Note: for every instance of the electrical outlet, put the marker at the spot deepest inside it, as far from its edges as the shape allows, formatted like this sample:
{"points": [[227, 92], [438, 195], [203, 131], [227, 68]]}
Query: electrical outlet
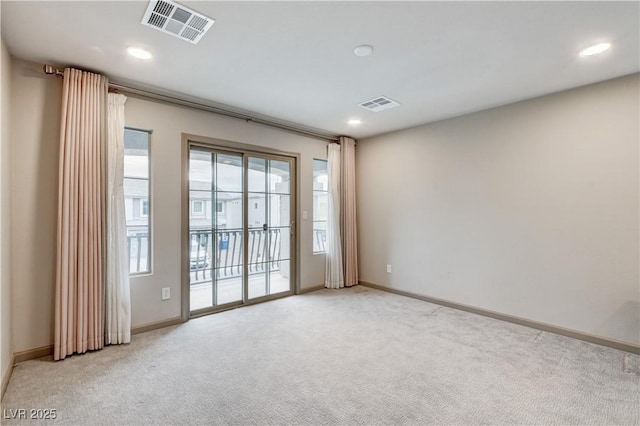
{"points": [[305, 215], [166, 293], [388, 269]]}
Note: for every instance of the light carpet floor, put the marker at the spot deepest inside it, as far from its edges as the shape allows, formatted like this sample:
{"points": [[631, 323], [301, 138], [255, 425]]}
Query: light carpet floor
{"points": [[352, 356]]}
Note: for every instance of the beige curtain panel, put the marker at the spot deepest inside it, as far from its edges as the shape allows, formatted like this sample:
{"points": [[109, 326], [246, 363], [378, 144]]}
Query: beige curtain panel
{"points": [[79, 299], [348, 211], [334, 273], [117, 289]]}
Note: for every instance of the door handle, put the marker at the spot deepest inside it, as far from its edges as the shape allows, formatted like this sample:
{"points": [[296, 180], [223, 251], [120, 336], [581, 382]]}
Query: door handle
{"points": [[293, 228]]}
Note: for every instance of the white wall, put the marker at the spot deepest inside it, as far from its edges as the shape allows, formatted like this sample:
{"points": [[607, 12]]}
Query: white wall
{"points": [[529, 210], [6, 343], [36, 100], [35, 131]]}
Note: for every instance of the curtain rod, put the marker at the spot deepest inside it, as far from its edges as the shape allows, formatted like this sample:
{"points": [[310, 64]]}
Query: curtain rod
{"points": [[51, 70]]}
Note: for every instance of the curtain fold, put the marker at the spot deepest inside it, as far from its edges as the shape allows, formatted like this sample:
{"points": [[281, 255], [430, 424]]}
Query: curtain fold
{"points": [[79, 297], [333, 266], [117, 290], [348, 211]]}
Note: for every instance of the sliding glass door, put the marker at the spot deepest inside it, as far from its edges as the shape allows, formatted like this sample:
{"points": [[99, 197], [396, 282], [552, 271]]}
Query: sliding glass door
{"points": [[241, 211], [270, 226]]}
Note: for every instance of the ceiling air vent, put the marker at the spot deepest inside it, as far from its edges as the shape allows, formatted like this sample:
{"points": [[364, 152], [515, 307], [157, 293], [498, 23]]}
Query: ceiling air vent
{"points": [[379, 104], [177, 20]]}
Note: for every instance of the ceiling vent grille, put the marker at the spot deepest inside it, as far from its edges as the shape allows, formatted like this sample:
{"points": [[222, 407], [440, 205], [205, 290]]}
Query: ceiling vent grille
{"points": [[177, 20], [379, 104]]}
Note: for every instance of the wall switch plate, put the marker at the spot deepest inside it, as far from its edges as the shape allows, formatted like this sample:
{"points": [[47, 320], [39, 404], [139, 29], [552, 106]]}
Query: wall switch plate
{"points": [[166, 293], [388, 269], [305, 215]]}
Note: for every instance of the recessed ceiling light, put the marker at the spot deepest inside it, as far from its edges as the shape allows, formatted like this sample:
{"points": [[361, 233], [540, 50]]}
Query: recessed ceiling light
{"points": [[136, 52], [363, 50], [595, 49], [354, 122]]}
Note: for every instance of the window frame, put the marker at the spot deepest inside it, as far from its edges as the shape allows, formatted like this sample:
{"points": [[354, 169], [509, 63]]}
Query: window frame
{"points": [[149, 216], [313, 212]]}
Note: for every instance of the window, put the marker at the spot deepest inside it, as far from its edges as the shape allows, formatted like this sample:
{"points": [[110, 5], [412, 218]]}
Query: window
{"points": [[197, 208], [320, 205], [136, 200], [219, 207], [144, 208]]}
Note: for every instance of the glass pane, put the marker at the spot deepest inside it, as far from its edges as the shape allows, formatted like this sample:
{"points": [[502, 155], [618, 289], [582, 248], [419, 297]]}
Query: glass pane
{"points": [[279, 209], [200, 276], [201, 294], [138, 246], [257, 246], [257, 280], [229, 173], [229, 210], [200, 251], [200, 171], [320, 177], [257, 175], [200, 210], [320, 205], [136, 204], [257, 210], [201, 257], [279, 176], [136, 154], [229, 288], [319, 236], [279, 277], [228, 253], [279, 244]]}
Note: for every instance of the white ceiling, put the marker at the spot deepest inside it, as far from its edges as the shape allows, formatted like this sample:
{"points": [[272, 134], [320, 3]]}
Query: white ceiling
{"points": [[294, 60]]}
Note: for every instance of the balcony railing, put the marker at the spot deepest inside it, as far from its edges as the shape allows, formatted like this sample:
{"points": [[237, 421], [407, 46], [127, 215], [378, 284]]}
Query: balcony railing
{"points": [[138, 247], [226, 259], [320, 240]]}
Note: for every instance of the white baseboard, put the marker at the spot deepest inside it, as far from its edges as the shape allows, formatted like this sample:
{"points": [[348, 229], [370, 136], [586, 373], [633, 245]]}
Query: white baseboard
{"points": [[7, 376], [310, 289], [156, 325], [598, 340]]}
